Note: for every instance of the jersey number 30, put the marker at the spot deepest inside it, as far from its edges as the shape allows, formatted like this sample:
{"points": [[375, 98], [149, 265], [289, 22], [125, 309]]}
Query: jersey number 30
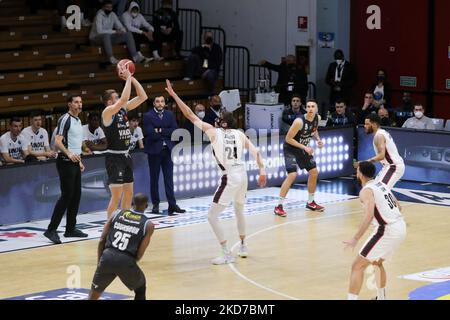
{"points": [[390, 199], [121, 240]]}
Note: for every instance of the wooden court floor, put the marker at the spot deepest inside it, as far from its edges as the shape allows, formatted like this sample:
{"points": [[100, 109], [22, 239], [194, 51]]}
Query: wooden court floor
{"points": [[300, 257]]}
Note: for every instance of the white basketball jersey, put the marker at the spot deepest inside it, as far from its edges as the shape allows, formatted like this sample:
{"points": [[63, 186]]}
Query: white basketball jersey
{"points": [[94, 137], [392, 156], [386, 207], [228, 149], [38, 140]]}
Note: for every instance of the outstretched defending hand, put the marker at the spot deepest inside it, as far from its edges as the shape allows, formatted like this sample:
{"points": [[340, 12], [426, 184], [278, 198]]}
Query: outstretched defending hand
{"points": [[169, 88]]}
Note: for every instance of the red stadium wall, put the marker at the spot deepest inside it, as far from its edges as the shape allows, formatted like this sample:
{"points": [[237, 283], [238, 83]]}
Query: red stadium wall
{"points": [[442, 59], [400, 46]]}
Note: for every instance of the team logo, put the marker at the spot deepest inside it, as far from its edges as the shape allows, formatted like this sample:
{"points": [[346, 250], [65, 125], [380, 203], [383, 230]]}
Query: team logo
{"points": [[41, 137]]}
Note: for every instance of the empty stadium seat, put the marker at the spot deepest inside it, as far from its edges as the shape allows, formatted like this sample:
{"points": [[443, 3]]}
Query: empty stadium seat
{"points": [[438, 123]]}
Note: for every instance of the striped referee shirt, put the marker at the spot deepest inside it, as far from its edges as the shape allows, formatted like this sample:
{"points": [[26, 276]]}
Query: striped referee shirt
{"points": [[71, 129]]}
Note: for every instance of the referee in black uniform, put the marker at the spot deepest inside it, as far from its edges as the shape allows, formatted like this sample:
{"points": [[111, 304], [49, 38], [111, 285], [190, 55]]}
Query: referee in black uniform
{"points": [[69, 138]]}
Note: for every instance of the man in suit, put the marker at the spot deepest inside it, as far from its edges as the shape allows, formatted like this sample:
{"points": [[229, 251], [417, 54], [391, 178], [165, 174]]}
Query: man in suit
{"points": [[341, 77], [159, 125]]}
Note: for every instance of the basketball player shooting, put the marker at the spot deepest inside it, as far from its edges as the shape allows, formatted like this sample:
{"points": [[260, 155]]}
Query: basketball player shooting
{"points": [[118, 162], [228, 149]]}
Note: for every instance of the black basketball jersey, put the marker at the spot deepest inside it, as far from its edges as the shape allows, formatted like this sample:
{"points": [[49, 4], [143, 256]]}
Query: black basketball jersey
{"points": [[127, 231], [118, 133], [304, 135]]}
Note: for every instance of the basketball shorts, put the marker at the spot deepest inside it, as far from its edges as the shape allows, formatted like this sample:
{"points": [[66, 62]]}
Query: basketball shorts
{"points": [[114, 263], [384, 241], [119, 168], [232, 188], [295, 158], [390, 174]]}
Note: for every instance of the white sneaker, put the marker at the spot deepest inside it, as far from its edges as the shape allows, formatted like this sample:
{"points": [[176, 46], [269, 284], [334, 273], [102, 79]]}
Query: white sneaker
{"points": [[243, 251], [187, 79], [156, 56], [223, 259], [113, 61]]}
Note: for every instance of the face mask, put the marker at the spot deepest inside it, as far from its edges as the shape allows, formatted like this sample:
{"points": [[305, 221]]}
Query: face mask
{"points": [[134, 14], [201, 114], [418, 114], [338, 61], [107, 12], [217, 107], [385, 121], [381, 78], [209, 40]]}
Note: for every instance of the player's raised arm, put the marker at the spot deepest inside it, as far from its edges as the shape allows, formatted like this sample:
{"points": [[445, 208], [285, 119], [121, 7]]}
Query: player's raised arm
{"points": [[259, 161], [110, 111], [188, 113], [380, 144], [140, 98]]}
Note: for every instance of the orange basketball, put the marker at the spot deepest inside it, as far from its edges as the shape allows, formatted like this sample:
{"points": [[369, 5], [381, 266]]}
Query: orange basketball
{"points": [[128, 63]]}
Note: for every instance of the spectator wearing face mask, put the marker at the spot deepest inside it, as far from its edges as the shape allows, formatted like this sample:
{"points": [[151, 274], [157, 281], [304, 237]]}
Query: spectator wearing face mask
{"points": [[141, 30], [419, 121], [196, 133], [382, 90], [341, 77], [385, 119], [213, 112], [291, 78], [341, 117], [205, 62]]}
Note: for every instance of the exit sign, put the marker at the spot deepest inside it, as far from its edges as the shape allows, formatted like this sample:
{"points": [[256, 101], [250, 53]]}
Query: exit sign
{"points": [[406, 81]]}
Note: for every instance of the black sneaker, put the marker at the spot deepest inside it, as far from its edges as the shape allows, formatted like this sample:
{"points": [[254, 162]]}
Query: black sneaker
{"points": [[176, 209], [52, 236], [75, 234], [155, 209]]}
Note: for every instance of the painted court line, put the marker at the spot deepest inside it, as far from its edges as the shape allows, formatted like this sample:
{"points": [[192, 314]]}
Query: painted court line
{"points": [[239, 274]]}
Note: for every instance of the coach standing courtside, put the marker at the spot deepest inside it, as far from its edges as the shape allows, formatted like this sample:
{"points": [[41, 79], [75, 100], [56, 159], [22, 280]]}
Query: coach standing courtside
{"points": [[68, 141], [159, 125]]}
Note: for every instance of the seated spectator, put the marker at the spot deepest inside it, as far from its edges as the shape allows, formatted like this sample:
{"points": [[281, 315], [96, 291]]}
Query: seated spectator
{"points": [[341, 78], [407, 103], [342, 116], [291, 78], [137, 137], [382, 90], [214, 110], [141, 30], [37, 138], [368, 107], [205, 62], [167, 28], [419, 121], [13, 145], [108, 30], [385, 119], [94, 138], [292, 112], [199, 110]]}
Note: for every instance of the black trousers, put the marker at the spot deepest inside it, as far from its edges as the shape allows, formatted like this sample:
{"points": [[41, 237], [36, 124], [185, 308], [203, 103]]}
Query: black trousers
{"points": [[156, 162], [176, 36], [142, 39], [70, 184]]}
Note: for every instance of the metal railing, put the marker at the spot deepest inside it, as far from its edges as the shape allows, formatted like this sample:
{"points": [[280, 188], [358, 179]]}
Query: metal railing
{"points": [[191, 25], [237, 69]]}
